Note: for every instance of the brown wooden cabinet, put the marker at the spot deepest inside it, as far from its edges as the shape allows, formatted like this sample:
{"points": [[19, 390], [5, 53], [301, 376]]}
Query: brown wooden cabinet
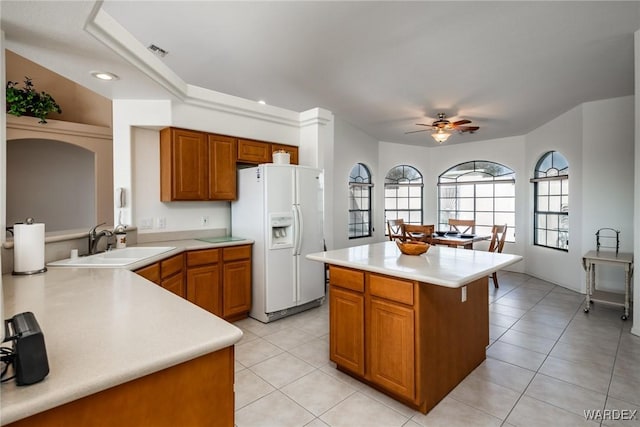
{"points": [[168, 273], [203, 280], [222, 167], [250, 151], [256, 152], [219, 280], [236, 282], [414, 341], [346, 344], [196, 166]]}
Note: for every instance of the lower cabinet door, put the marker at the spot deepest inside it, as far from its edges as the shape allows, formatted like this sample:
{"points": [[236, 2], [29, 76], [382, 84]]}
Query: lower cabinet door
{"points": [[175, 284], [236, 288], [346, 324], [391, 347], [203, 288]]}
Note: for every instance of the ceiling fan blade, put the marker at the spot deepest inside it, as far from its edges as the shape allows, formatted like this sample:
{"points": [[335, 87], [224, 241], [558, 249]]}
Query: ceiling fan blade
{"points": [[461, 122], [423, 124], [467, 128], [414, 131]]}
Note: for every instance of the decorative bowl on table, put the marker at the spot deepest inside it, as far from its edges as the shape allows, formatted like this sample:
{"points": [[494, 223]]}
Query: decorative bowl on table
{"points": [[412, 247], [441, 233]]}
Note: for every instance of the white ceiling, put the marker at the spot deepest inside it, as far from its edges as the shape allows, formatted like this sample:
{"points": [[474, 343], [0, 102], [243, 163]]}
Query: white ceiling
{"points": [[382, 66]]}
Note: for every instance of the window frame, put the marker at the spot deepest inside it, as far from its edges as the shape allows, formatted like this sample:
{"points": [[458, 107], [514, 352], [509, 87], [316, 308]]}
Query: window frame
{"points": [[409, 183], [562, 215], [475, 198], [360, 182]]}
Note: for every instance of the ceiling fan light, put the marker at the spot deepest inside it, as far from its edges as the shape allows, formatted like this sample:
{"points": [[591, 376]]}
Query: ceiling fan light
{"points": [[440, 136]]}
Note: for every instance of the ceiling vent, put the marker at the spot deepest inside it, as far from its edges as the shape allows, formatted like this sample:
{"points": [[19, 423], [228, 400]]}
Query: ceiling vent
{"points": [[158, 50]]}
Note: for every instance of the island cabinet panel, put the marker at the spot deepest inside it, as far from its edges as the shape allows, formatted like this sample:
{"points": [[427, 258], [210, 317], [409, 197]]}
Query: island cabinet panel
{"points": [[194, 393], [346, 324], [420, 339], [391, 347]]}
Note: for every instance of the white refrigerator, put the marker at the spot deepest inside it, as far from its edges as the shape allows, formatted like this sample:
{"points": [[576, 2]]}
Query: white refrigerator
{"points": [[280, 207]]}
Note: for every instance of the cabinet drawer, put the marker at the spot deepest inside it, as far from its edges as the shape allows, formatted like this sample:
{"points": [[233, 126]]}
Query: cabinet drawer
{"points": [[392, 289], [171, 266], [202, 257], [236, 252], [150, 272], [346, 278]]}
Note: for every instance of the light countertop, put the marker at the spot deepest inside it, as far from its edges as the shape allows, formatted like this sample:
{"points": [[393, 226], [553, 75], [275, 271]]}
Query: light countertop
{"points": [[440, 265], [104, 327], [179, 246]]}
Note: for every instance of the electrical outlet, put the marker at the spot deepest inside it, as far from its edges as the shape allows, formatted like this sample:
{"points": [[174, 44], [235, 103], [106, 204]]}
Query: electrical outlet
{"points": [[204, 221], [161, 222], [464, 293], [146, 224]]}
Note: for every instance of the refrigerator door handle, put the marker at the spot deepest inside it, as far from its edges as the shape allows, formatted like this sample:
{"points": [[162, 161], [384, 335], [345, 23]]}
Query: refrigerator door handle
{"points": [[300, 230]]}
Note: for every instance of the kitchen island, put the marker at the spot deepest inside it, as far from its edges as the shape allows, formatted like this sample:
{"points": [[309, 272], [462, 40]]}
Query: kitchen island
{"points": [[410, 326], [121, 351]]}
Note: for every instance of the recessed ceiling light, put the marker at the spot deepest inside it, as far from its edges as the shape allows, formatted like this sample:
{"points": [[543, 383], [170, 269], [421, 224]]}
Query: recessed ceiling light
{"points": [[263, 102], [103, 75]]}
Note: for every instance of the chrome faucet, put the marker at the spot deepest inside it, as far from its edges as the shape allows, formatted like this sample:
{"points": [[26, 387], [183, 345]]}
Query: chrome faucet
{"points": [[95, 236]]}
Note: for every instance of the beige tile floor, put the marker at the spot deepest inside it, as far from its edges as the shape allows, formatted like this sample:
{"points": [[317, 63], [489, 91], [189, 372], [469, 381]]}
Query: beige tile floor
{"points": [[548, 362]]}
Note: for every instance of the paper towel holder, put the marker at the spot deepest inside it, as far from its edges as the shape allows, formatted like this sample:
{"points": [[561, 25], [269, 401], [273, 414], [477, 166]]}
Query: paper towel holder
{"points": [[28, 221]]}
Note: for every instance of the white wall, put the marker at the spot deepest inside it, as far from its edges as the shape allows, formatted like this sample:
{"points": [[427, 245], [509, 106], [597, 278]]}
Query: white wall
{"points": [[352, 146], [563, 134], [608, 173]]}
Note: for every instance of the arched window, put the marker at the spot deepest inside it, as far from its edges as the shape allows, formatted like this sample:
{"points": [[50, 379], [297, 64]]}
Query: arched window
{"points": [[403, 194], [480, 190], [551, 202], [359, 201]]}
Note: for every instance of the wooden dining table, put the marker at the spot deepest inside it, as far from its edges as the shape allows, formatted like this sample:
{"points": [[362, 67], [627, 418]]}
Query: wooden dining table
{"points": [[455, 240]]}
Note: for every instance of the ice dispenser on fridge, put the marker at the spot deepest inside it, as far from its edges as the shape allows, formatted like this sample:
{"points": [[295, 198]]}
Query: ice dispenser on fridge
{"points": [[281, 225]]}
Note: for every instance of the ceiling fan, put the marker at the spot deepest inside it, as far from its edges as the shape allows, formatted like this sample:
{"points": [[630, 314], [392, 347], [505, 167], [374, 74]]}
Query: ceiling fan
{"points": [[442, 125]]}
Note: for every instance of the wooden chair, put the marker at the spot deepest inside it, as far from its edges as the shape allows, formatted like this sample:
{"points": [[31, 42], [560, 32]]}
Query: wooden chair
{"points": [[498, 236], [422, 233], [470, 225], [394, 228]]}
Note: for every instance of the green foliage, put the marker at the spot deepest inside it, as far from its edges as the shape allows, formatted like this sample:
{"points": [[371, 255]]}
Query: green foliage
{"points": [[26, 101]]}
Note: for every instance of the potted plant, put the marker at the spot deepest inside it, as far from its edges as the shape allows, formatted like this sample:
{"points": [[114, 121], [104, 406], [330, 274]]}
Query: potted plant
{"points": [[27, 101]]}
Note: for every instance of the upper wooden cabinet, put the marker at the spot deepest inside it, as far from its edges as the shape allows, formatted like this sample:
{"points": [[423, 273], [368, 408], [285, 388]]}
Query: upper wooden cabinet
{"points": [[222, 167], [253, 151], [184, 168], [256, 152], [196, 166]]}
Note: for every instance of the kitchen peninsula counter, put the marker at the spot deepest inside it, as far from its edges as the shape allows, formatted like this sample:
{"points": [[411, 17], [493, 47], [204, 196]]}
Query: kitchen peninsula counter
{"points": [[412, 327], [106, 329]]}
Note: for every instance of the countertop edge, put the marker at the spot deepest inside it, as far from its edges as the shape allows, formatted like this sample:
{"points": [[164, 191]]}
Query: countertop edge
{"points": [[433, 280]]}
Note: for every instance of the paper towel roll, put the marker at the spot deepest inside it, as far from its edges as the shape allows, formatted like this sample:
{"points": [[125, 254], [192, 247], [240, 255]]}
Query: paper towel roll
{"points": [[28, 248]]}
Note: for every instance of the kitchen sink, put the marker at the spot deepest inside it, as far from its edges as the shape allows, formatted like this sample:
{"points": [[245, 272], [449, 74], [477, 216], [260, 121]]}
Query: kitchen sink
{"points": [[113, 258]]}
